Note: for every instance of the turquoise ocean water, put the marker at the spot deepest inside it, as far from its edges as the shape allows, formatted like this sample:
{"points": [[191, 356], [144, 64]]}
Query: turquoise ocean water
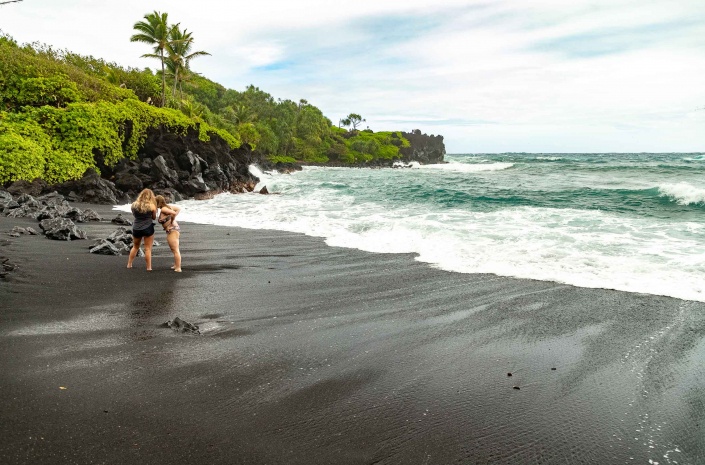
{"points": [[632, 222]]}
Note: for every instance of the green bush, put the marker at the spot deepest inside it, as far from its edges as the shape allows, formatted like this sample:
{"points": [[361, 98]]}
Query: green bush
{"points": [[248, 134], [20, 158], [56, 91], [281, 159], [59, 144], [65, 111]]}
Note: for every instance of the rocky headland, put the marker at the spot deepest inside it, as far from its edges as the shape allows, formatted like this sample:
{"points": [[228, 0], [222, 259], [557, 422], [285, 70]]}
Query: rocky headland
{"points": [[182, 166]]}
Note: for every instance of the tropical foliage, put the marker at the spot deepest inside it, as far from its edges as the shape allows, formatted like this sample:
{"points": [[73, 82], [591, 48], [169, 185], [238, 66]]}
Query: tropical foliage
{"points": [[180, 55], [58, 114], [60, 111], [155, 30]]}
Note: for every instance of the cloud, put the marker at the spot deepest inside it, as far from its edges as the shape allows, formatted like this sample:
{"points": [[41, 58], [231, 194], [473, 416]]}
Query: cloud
{"points": [[500, 75], [616, 40]]}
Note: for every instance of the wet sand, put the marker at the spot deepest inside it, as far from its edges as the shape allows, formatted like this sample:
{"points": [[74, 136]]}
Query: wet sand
{"points": [[316, 355]]}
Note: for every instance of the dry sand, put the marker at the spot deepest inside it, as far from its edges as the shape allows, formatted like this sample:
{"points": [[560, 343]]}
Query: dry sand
{"points": [[316, 355]]}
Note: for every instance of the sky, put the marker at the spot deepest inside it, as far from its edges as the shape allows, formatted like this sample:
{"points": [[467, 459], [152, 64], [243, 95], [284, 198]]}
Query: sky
{"points": [[489, 75]]}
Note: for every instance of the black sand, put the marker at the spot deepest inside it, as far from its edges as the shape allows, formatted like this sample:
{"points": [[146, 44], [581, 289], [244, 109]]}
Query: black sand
{"points": [[311, 354]]}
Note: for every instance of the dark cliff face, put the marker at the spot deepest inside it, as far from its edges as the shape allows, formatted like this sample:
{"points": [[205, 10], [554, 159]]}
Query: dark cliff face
{"points": [[178, 165], [424, 149], [181, 166]]}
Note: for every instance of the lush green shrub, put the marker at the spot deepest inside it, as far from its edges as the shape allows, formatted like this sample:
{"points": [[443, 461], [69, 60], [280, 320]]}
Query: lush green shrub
{"points": [[367, 145], [56, 91], [59, 144], [19, 64], [268, 141], [20, 157], [281, 159], [248, 134], [67, 109]]}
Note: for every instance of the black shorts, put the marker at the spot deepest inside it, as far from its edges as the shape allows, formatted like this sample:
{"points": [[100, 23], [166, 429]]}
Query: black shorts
{"points": [[143, 232]]}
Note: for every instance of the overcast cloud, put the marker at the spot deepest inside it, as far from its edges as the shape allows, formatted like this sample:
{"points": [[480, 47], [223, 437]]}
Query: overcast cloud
{"points": [[491, 76]]}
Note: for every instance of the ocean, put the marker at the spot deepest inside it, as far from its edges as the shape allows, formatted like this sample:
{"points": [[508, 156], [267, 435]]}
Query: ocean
{"points": [[630, 222]]}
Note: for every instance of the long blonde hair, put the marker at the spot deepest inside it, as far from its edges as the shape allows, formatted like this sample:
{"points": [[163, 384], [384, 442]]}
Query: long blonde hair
{"points": [[161, 201], [146, 202]]}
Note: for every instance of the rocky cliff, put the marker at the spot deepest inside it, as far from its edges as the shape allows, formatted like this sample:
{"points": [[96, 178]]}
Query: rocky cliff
{"points": [[424, 149], [182, 166]]}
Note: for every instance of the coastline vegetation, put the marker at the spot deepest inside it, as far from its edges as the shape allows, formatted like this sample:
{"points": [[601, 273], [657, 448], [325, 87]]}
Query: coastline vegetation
{"points": [[61, 112]]}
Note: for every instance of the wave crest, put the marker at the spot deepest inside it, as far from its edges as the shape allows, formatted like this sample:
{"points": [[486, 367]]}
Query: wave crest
{"points": [[471, 167], [683, 193]]}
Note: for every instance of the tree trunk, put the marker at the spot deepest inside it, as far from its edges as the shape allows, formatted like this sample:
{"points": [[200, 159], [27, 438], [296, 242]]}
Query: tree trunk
{"points": [[176, 79], [163, 79]]}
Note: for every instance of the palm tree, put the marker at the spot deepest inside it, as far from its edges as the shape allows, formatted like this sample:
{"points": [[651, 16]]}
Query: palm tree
{"points": [[238, 114], [154, 31], [179, 54]]}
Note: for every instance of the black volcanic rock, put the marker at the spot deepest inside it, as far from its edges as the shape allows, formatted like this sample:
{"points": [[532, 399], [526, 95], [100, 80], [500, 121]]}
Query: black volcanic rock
{"points": [[33, 188], [105, 247], [129, 182], [91, 188], [62, 229], [162, 172], [181, 165], [119, 219], [424, 149]]}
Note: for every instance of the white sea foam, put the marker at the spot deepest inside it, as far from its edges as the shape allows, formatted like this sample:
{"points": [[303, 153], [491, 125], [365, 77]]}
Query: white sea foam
{"points": [[550, 158], [579, 247], [683, 193], [585, 248], [470, 167]]}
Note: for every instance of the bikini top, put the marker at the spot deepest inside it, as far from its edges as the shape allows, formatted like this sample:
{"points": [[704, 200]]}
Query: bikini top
{"points": [[166, 218]]}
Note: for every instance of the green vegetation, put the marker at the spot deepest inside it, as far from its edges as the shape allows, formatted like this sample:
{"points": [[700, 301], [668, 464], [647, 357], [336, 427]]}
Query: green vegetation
{"points": [[61, 113], [155, 30]]}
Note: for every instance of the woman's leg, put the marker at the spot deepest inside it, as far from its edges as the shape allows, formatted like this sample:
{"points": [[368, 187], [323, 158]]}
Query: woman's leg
{"points": [[148, 241], [173, 240], [136, 241]]}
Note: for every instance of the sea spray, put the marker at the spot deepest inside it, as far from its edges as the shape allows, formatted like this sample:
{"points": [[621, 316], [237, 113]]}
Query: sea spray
{"points": [[683, 193], [627, 222]]}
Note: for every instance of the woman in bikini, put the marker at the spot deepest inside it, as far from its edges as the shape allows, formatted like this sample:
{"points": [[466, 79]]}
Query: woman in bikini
{"points": [[167, 218], [144, 210]]}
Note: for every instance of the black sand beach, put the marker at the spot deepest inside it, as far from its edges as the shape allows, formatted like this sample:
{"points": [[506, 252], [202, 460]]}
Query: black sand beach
{"points": [[316, 355]]}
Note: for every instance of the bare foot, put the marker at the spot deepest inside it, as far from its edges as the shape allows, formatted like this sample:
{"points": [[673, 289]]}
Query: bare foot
{"points": [[178, 271], [149, 269], [129, 266], [172, 267]]}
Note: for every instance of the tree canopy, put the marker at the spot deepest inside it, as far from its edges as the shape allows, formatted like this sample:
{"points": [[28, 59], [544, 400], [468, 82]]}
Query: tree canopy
{"points": [[60, 110], [155, 30]]}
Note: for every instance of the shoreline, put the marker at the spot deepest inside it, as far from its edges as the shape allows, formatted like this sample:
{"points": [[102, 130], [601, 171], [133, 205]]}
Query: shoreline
{"points": [[317, 354]]}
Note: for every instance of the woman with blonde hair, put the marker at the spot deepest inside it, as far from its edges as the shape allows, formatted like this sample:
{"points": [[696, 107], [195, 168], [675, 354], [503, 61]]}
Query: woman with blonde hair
{"points": [[144, 210], [167, 218]]}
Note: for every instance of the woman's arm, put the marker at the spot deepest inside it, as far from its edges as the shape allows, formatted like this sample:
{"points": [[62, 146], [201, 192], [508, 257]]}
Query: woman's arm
{"points": [[154, 214], [175, 210], [168, 210]]}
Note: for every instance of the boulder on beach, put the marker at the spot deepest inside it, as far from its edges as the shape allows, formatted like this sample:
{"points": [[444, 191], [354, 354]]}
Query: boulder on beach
{"points": [[122, 235], [177, 324], [119, 219], [6, 267], [105, 247], [52, 198], [62, 229], [33, 188], [6, 205], [90, 215]]}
